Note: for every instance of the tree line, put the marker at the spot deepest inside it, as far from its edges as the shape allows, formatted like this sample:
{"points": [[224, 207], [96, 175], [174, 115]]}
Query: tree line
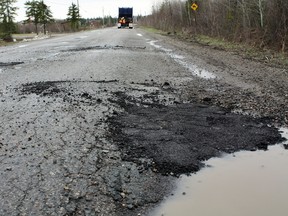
{"points": [[263, 23], [37, 12]]}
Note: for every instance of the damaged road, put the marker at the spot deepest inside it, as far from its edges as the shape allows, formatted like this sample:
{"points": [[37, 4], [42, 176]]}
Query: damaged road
{"points": [[94, 125]]}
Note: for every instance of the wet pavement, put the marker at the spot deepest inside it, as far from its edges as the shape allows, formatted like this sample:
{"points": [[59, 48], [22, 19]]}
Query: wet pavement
{"points": [[103, 122], [243, 183]]}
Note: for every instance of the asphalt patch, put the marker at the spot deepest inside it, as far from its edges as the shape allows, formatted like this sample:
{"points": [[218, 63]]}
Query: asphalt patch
{"points": [[54, 87], [179, 137], [44, 88]]}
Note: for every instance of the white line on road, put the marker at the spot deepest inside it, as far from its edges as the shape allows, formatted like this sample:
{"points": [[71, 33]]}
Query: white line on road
{"points": [[84, 36], [21, 46], [194, 69]]}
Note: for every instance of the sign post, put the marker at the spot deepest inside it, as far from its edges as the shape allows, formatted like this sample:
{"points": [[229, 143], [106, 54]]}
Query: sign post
{"points": [[194, 7]]}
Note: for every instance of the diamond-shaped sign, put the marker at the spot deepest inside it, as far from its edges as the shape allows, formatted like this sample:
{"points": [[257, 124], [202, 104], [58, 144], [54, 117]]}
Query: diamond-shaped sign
{"points": [[194, 6]]}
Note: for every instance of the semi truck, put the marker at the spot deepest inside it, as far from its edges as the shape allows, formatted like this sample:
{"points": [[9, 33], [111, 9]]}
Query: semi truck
{"points": [[125, 17]]}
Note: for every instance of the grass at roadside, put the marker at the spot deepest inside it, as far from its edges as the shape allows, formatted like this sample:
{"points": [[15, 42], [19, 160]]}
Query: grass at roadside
{"points": [[3, 43], [17, 37], [269, 57], [24, 36], [153, 30], [273, 58]]}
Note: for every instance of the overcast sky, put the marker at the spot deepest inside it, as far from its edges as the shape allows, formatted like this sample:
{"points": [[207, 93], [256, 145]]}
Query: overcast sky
{"points": [[91, 8]]}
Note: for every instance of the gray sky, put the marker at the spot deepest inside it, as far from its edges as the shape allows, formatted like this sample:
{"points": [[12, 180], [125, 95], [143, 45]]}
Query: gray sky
{"points": [[91, 8]]}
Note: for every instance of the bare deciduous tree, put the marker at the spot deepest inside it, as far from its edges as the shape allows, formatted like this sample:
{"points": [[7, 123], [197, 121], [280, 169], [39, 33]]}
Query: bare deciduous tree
{"points": [[260, 22]]}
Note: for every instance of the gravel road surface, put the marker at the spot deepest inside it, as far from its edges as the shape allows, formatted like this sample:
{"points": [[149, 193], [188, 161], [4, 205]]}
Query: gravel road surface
{"points": [[103, 122]]}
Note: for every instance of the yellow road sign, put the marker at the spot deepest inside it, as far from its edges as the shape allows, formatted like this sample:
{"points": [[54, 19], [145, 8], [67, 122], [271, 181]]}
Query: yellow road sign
{"points": [[194, 6]]}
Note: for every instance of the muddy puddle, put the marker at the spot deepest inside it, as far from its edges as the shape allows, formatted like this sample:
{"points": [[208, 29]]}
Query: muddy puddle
{"points": [[244, 183]]}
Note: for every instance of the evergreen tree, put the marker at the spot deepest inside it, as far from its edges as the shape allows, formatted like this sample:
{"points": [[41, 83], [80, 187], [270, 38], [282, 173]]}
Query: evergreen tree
{"points": [[73, 16], [7, 14], [45, 15], [39, 13], [32, 13]]}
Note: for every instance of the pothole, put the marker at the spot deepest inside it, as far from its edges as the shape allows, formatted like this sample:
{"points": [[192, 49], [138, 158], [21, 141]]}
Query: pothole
{"points": [[108, 47], [6, 64]]}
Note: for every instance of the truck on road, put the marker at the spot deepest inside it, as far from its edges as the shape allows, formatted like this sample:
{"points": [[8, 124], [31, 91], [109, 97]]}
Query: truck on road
{"points": [[125, 17]]}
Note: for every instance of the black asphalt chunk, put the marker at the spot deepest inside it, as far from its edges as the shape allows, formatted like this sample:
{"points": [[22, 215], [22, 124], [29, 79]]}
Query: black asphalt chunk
{"points": [[53, 87], [178, 138], [38, 88]]}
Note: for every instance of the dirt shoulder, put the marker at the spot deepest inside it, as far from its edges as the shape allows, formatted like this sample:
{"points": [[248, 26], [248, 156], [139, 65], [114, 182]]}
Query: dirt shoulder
{"points": [[243, 85]]}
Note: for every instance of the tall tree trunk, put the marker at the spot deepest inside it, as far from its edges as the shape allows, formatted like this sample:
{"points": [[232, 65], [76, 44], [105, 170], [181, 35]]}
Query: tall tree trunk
{"points": [[36, 28], [284, 37], [260, 5], [44, 28]]}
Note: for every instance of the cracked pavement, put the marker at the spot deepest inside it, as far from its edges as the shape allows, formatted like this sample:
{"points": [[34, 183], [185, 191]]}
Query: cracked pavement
{"points": [[57, 158], [102, 122]]}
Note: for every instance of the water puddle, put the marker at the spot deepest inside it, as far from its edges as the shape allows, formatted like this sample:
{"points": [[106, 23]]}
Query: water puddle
{"points": [[195, 70], [244, 183]]}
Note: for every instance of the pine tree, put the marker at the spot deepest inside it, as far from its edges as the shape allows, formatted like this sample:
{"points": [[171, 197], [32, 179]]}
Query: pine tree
{"points": [[45, 15], [73, 16], [7, 14], [32, 13], [39, 13]]}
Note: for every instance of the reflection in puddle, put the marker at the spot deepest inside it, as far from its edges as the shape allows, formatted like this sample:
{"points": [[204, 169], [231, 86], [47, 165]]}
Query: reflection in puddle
{"points": [[244, 183]]}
